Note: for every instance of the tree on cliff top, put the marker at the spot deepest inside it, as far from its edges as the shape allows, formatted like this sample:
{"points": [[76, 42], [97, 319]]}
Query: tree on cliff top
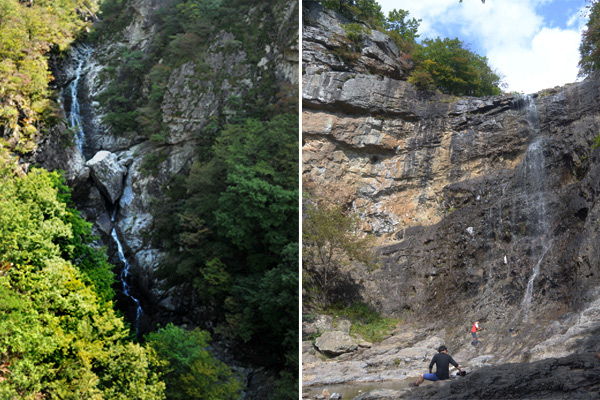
{"points": [[364, 10], [446, 65], [589, 49], [440, 64]]}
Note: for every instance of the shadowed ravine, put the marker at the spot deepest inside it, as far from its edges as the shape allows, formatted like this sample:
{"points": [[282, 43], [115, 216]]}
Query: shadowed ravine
{"points": [[71, 97]]}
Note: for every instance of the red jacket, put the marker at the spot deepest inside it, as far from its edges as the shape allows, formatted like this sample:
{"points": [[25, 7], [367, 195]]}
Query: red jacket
{"points": [[475, 327]]}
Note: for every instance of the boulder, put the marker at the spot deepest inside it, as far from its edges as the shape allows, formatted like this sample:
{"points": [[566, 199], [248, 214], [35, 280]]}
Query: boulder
{"points": [[108, 174], [336, 343]]}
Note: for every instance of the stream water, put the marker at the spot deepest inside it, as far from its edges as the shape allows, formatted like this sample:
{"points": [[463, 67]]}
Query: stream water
{"points": [[71, 97], [351, 390], [72, 91], [535, 211], [124, 276]]}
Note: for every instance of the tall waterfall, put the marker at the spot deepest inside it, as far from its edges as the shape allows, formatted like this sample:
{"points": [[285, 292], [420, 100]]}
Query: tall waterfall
{"points": [[72, 91], [71, 96], [536, 213]]}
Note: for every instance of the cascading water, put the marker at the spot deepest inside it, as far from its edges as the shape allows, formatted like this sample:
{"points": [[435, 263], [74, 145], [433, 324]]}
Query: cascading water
{"points": [[125, 275], [71, 96], [72, 90], [535, 199]]}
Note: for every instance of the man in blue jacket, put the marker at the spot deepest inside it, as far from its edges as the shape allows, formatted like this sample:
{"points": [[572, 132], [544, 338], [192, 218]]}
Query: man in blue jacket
{"points": [[442, 361]]}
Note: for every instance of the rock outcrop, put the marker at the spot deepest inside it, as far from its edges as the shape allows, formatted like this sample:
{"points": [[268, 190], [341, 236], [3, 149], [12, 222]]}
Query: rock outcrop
{"points": [[124, 174], [108, 174], [483, 208], [129, 171]]}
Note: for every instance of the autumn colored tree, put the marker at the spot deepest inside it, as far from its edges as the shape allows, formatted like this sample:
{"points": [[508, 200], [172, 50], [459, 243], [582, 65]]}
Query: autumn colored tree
{"points": [[445, 64]]}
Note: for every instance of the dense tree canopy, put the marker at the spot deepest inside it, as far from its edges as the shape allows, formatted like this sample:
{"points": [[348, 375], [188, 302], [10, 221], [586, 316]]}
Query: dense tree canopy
{"points": [[231, 227], [60, 336], [230, 223], [446, 65], [29, 31]]}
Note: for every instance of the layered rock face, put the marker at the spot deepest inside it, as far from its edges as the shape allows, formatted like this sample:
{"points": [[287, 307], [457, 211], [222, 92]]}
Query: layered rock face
{"points": [[484, 208]]}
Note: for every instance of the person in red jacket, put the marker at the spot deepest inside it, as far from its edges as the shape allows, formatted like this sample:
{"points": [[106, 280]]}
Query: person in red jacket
{"points": [[474, 330], [442, 361]]}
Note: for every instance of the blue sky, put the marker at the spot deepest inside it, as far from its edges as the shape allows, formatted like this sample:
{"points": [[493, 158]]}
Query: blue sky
{"points": [[534, 44]]}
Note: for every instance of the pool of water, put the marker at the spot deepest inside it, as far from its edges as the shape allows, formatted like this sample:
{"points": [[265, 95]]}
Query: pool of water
{"points": [[352, 390]]}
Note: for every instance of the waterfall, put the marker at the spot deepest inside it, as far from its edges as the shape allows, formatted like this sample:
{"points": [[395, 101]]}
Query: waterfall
{"points": [[125, 274], [535, 210], [71, 96], [75, 119]]}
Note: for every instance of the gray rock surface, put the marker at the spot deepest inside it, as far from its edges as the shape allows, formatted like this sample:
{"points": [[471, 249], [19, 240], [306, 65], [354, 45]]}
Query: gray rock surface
{"points": [[108, 174], [336, 343], [483, 209]]}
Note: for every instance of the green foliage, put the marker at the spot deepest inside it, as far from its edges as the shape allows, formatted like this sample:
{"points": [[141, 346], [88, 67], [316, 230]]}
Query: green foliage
{"points": [[28, 34], [190, 371], [596, 141], [589, 48], [364, 10], [366, 322], [398, 22], [329, 242], [230, 221], [354, 32], [443, 65], [231, 228], [185, 31], [59, 338], [446, 65]]}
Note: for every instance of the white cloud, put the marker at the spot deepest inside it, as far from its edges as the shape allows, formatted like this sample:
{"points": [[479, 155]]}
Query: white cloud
{"points": [[549, 60], [511, 33]]}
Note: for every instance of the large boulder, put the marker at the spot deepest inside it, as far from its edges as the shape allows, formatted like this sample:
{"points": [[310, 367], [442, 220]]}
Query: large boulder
{"points": [[108, 174], [336, 343]]}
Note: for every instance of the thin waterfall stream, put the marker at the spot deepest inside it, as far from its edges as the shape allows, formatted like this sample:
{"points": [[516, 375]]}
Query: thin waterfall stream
{"points": [[535, 200], [71, 96], [73, 91], [125, 274]]}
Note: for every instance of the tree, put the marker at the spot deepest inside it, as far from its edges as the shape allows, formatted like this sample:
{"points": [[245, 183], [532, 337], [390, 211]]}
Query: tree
{"points": [[407, 28], [364, 10], [330, 242], [589, 48], [446, 65], [190, 371], [59, 334]]}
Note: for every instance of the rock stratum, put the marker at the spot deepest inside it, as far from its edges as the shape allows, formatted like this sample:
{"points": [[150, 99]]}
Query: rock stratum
{"points": [[483, 208]]}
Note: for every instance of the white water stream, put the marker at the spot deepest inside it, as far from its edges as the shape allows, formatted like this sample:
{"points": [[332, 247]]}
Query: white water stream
{"points": [[73, 91], [125, 274], [535, 200], [75, 121]]}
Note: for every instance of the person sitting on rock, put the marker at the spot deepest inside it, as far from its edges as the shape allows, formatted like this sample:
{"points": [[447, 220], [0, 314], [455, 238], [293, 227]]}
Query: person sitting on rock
{"points": [[442, 361]]}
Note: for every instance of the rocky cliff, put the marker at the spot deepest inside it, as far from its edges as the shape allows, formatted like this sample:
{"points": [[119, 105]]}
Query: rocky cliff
{"points": [[114, 177], [484, 208]]}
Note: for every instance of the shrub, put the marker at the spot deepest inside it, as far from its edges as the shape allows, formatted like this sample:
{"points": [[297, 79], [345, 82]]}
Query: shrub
{"points": [[190, 371]]}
